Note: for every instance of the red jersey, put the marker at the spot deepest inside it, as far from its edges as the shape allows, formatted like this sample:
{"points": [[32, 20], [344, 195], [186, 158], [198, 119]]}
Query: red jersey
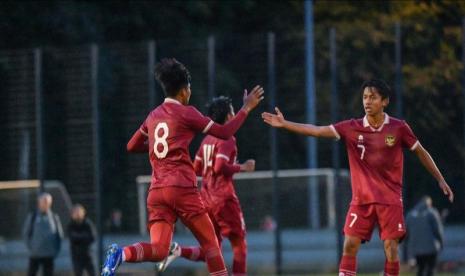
{"points": [[376, 159], [217, 182], [170, 129]]}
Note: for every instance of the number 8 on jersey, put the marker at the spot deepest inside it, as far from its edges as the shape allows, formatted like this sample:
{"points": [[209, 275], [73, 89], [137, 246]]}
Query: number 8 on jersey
{"points": [[161, 140]]}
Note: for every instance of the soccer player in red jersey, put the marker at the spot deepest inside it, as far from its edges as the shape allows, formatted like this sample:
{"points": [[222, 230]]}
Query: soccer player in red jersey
{"points": [[374, 145], [215, 161], [166, 134]]}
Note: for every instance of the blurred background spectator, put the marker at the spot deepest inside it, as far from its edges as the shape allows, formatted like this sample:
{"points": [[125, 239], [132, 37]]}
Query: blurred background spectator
{"points": [[42, 233], [424, 236], [81, 235]]}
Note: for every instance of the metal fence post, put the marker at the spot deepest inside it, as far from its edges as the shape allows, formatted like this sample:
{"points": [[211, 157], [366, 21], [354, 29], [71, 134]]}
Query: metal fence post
{"points": [[335, 146], [463, 76], [151, 52], [312, 150], [211, 66], [398, 57], [274, 151], [39, 117], [94, 50], [399, 99]]}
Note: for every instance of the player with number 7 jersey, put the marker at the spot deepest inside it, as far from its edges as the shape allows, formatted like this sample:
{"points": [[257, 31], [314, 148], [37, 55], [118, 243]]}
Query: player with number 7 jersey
{"points": [[374, 145], [166, 134]]}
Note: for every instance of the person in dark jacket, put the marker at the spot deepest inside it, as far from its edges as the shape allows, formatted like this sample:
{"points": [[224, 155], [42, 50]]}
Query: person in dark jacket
{"points": [[425, 236], [42, 233], [81, 236]]}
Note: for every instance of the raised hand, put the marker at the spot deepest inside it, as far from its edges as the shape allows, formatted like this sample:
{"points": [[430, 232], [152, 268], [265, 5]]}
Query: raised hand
{"points": [[248, 166], [252, 99], [446, 190], [274, 120]]}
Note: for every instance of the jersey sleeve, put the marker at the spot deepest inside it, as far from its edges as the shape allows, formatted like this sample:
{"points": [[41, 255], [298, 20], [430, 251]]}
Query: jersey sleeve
{"points": [[408, 138], [143, 128], [341, 129], [198, 163], [225, 151], [197, 121]]}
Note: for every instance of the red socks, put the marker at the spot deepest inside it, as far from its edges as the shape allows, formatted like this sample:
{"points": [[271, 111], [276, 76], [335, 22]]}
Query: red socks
{"points": [[145, 252], [213, 258], [239, 247], [391, 268], [348, 266], [204, 232], [193, 253], [223, 272]]}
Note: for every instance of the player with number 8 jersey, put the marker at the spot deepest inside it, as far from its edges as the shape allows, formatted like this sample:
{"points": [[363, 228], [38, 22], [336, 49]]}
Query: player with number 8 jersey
{"points": [[166, 134], [216, 162]]}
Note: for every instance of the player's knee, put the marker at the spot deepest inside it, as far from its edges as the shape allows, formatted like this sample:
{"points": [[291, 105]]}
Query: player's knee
{"points": [[391, 250], [351, 246]]}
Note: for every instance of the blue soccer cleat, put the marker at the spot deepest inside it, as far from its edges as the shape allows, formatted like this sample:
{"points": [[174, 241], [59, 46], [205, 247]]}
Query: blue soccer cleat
{"points": [[114, 258]]}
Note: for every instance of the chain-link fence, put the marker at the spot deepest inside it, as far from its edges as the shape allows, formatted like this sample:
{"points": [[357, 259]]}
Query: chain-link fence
{"points": [[123, 91]]}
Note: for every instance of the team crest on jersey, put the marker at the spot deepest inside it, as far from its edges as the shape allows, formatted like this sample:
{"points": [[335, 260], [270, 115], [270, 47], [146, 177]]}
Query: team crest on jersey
{"points": [[390, 140]]}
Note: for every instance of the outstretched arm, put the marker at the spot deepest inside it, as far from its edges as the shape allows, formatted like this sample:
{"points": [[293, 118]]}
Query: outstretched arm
{"points": [[251, 100], [428, 163], [277, 120], [222, 166], [138, 142]]}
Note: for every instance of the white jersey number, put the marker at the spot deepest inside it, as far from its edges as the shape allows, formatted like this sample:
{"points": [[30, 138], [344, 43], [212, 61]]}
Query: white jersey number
{"points": [[207, 156], [363, 151], [354, 218], [161, 140]]}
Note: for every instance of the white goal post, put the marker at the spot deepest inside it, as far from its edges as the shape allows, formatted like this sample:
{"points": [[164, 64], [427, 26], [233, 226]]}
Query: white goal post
{"points": [[143, 182], [19, 197]]}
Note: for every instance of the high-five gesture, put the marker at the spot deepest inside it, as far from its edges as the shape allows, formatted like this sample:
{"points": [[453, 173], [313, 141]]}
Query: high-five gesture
{"points": [[252, 99], [274, 120]]}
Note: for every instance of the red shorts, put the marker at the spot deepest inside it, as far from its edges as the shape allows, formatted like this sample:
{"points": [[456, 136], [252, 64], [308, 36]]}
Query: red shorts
{"points": [[169, 203], [228, 219], [362, 219]]}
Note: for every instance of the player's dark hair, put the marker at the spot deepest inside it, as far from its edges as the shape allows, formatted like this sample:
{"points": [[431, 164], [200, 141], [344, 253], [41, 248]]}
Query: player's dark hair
{"points": [[219, 108], [381, 87], [172, 76]]}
